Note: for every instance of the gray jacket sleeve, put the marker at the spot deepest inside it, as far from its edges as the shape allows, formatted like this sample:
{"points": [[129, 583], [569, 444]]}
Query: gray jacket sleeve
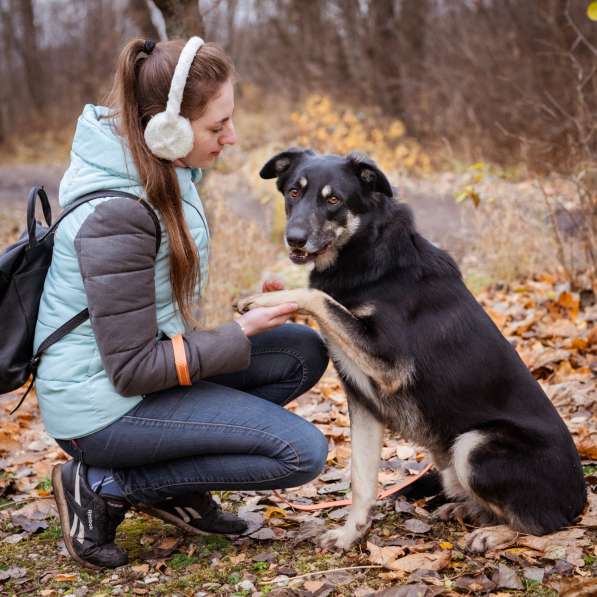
{"points": [[116, 251]]}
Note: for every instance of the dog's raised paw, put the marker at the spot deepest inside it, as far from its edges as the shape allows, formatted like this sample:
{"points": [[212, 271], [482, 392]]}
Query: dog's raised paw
{"points": [[243, 305]]}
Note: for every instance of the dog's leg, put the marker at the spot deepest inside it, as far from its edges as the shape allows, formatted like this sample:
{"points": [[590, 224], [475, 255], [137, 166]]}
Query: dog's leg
{"points": [[341, 329], [367, 438]]}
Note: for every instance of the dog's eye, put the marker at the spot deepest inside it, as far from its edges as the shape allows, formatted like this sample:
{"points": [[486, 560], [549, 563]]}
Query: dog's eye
{"points": [[293, 193], [333, 200]]}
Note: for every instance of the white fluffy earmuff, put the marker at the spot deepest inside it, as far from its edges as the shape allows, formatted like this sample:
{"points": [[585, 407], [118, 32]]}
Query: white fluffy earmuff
{"points": [[168, 134]]}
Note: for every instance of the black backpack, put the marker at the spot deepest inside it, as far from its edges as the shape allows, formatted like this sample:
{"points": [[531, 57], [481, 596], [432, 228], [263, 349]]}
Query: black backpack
{"points": [[23, 269]]}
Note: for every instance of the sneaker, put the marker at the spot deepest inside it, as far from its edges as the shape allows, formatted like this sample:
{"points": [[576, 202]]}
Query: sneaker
{"points": [[197, 514], [88, 520]]}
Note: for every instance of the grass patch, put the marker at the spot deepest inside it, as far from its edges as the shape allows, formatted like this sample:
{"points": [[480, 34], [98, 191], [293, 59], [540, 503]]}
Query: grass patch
{"points": [[589, 469], [180, 561], [535, 589]]}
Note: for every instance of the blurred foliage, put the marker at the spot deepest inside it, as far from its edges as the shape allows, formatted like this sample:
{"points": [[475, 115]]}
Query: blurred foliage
{"points": [[330, 128]]}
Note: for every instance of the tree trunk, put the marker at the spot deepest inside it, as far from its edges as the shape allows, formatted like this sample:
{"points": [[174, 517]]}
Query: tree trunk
{"points": [[30, 52], [182, 18], [141, 16]]}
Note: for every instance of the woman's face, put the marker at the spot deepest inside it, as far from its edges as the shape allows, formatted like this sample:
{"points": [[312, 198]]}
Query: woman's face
{"points": [[213, 130]]}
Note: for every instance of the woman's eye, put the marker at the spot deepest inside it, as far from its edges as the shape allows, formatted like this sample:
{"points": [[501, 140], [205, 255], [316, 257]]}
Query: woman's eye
{"points": [[293, 193], [216, 131], [333, 200]]}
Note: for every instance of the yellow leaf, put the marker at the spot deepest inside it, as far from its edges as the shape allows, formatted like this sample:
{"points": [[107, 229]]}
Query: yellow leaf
{"points": [[592, 11], [274, 512], [446, 545], [65, 577]]}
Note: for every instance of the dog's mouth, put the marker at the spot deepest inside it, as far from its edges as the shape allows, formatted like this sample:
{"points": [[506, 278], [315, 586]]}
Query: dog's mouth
{"points": [[301, 256]]}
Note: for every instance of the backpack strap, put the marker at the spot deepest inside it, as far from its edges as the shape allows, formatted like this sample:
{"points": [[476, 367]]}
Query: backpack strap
{"points": [[103, 195], [82, 316]]}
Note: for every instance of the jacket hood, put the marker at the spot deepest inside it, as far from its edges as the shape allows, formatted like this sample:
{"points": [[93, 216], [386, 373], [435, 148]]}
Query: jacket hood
{"points": [[100, 159]]}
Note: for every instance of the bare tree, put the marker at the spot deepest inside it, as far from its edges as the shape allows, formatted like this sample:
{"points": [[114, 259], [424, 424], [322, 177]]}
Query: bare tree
{"points": [[141, 16], [28, 48], [182, 18]]}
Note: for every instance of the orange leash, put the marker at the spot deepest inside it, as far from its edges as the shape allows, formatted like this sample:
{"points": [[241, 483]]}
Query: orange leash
{"points": [[338, 503]]}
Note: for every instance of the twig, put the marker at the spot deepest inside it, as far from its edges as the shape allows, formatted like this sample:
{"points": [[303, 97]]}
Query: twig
{"points": [[24, 500], [321, 572]]}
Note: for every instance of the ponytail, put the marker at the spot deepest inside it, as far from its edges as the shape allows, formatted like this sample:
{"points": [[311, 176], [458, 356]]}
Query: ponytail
{"points": [[139, 91]]}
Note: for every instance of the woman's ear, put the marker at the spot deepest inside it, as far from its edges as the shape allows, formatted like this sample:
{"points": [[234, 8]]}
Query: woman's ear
{"points": [[281, 163], [369, 174]]}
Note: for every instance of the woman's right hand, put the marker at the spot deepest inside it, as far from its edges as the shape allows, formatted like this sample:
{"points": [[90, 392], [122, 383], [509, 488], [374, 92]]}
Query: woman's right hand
{"points": [[261, 319]]}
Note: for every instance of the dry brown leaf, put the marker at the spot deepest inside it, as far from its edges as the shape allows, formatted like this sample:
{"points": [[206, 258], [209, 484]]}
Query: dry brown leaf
{"points": [[383, 556], [388, 557], [428, 561], [578, 587]]}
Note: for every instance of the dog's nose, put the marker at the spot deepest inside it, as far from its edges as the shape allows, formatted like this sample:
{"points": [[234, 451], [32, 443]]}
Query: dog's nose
{"points": [[296, 238]]}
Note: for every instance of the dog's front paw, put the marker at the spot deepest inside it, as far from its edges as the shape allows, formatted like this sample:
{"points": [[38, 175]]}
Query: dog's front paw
{"points": [[342, 538], [267, 299]]}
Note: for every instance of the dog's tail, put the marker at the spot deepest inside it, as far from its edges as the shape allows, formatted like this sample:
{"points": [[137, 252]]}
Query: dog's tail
{"points": [[428, 485]]}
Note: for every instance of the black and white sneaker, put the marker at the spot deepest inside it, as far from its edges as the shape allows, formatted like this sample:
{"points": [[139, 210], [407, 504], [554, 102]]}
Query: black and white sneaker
{"points": [[198, 514], [88, 520]]}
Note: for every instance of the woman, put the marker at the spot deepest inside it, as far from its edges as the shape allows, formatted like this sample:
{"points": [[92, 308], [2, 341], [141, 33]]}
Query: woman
{"points": [[154, 411]]}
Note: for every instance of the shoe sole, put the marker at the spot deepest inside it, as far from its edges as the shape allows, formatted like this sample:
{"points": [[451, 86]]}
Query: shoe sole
{"points": [[177, 522], [61, 502]]}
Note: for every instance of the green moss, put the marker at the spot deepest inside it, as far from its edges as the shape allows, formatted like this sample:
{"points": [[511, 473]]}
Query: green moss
{"points": [[180, 561], [589, 469]]}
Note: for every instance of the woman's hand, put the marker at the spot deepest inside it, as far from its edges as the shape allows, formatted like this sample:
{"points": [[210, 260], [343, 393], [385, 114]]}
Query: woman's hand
{"points": [[265, 318]]}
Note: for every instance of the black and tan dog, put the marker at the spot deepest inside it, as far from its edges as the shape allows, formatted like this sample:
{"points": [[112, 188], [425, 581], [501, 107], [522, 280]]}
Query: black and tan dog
{"points": [[417, 353]]}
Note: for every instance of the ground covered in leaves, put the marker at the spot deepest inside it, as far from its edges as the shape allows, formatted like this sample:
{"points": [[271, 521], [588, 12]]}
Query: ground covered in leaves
{"points": [[407, 552]]}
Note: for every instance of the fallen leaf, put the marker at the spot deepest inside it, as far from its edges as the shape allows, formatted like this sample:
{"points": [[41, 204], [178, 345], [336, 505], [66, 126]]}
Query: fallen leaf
{"points": [[265, 534], [578, 587], [475, 584], [65, 577], [274, 511], [428, 561], [405, 452], [384, 556], [506, 578], [12, 572], [413, 590], [534, 573], [414, 525]]}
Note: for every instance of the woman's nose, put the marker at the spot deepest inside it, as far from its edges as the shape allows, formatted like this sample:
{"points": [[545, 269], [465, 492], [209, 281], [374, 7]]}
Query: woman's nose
{"points": [[229, 137]]}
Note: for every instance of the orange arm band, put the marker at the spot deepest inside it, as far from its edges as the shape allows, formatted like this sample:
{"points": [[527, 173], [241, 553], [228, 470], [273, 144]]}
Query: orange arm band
{"points": [[180, 360]]}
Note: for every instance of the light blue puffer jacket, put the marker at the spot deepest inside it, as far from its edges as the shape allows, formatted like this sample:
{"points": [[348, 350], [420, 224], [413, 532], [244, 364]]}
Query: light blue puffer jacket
{"points": [[75, 395]]}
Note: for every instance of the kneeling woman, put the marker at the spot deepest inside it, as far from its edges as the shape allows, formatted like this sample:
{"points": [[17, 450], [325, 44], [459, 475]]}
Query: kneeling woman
{"points": [[155, 412]]}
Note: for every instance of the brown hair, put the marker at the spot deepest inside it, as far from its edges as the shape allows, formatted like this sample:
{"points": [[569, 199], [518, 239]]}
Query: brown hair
{"points": [[140, 90]]}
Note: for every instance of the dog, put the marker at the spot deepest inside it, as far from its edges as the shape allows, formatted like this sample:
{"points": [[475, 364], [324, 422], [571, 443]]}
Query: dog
{"points": [[417, 353]]}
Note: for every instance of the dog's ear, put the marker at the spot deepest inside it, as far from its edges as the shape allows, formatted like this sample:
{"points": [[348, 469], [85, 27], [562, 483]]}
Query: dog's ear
{"points": [[369, 174], [281, 162]]}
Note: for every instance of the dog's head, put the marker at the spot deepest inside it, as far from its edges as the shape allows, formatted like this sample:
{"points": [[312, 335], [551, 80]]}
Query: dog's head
{"points": [[326, 198]]}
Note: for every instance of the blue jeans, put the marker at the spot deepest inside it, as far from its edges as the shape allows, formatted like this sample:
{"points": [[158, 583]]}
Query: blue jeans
{"points": [[226, 432]]}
